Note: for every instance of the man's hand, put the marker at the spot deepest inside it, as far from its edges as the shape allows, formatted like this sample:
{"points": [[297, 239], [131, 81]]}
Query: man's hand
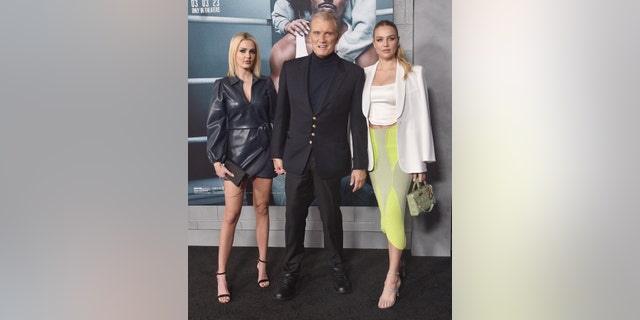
{"points": [[277, 166], [358, 176]]}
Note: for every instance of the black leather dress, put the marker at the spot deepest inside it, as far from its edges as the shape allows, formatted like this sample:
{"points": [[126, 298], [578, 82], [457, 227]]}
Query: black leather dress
{"points": [[240, 130]]}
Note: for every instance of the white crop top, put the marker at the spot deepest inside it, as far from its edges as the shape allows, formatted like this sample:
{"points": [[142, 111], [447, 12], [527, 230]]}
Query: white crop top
{"points": [[383, 105]]}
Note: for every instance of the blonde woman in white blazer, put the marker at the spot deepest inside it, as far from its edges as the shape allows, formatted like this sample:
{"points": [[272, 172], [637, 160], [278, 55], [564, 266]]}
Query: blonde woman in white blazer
{"points": [[400, 144]]}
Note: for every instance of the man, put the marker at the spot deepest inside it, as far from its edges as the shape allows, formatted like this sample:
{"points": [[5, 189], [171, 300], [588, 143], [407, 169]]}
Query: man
{"points": [[319, 112], [356, 20]]}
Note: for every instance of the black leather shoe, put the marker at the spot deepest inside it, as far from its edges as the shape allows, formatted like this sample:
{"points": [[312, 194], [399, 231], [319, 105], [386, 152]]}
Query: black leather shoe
{"points": [[341, 283], [287, 287]]}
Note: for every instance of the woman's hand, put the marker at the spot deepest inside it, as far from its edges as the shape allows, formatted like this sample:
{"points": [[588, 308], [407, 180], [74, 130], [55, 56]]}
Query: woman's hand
{"points": [[221, 170], [422, 176]]}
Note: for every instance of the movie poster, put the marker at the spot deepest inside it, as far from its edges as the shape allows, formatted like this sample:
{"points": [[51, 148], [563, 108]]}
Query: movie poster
{"points": [[212, 23]]}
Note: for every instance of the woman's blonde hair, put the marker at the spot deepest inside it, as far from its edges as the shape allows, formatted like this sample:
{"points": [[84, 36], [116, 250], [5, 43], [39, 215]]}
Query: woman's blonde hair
{"points": [[402, 58], [233, 49]]}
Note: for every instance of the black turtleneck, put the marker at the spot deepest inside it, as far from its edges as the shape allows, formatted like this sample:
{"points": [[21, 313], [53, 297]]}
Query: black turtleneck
{"points": [[321, 71]]}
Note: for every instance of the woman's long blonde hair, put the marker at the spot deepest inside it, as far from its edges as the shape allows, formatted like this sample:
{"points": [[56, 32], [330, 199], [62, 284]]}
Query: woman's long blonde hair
{"points": [[402, 58], [233, 49]]}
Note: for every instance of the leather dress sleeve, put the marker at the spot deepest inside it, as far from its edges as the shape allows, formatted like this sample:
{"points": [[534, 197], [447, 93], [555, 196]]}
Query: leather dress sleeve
{"points": [[216, 124]]}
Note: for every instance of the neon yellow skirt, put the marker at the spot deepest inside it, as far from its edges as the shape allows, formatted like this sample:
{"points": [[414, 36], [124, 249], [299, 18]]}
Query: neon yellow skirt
{"points": [[390, 185]]}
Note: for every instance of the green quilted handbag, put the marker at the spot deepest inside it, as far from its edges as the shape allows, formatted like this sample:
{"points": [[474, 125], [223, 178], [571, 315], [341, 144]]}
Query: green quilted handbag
{"points": [[420, 198]]}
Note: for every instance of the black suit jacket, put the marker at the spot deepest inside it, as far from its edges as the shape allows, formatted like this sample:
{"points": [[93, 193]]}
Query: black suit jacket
{"points": [[297, 130]]}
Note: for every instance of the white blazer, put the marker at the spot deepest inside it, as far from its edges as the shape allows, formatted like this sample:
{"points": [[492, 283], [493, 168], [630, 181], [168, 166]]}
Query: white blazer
{"points": [[415, 140]]}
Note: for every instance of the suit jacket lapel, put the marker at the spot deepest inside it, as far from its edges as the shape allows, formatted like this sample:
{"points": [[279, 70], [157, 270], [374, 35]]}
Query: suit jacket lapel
{"points": [[303, 71], [366, 94]]}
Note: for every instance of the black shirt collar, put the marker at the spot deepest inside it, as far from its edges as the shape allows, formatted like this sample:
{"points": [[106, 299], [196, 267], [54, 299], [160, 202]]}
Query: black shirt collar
{"points": [[333, 57], [235, 79]]}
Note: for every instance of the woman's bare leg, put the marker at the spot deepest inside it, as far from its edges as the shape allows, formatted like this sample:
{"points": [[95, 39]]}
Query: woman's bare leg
{"points": [[232, 206], [261, 196]]}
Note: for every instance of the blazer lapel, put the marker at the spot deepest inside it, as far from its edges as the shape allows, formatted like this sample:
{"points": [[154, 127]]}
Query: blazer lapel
{"points": [[303, 85], [366, 93], [400, 86]]}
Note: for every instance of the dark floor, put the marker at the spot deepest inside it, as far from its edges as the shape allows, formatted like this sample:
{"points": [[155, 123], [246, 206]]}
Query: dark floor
{"points": [[425, 292]]}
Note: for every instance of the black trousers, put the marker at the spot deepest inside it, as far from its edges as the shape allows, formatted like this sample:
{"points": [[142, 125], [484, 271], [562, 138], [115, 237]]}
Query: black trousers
{"points": [[300, 191]]}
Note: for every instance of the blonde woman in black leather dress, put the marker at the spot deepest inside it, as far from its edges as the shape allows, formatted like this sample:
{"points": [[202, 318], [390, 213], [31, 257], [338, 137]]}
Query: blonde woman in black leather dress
{"points": [[238, 129]]}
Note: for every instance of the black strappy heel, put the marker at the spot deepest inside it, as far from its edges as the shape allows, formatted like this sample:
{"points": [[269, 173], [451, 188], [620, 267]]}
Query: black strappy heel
{"points": [[262, 280], [223, 295]]}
